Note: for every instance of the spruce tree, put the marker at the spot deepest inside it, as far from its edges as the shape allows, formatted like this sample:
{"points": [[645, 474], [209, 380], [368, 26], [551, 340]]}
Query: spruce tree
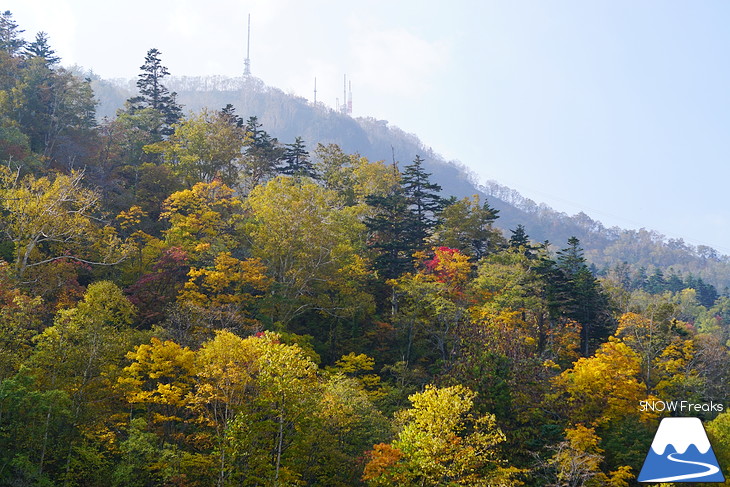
{"points": [[295, 160], [262, 153], [403, 220], [390, 233], [656, 284], [423, 199], [519, 241], [154, 94], [674, 282], [40, 48], [10, 40], [580, 297], [229, 113]]}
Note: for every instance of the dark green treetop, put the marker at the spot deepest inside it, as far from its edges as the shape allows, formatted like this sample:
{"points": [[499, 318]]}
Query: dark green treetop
{"points": [[40, 48], [295, 160], [153, 94], [10, 40]]}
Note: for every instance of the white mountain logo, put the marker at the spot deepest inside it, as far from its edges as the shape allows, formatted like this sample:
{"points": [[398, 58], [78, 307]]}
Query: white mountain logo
{"points": [[681, 452]]}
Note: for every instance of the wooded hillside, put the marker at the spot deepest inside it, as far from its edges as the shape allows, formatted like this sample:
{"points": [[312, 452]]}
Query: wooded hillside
{"points": [[186, 299]]}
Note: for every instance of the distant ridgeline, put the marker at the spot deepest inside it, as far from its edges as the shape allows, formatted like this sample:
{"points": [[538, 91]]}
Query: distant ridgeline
{"points": [[646, 258]]}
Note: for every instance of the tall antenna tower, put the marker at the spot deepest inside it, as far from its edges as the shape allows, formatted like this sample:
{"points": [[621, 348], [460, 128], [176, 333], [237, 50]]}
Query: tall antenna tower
{"points": [[346, 107], [349, 99], [315, 90], [247, 61]]}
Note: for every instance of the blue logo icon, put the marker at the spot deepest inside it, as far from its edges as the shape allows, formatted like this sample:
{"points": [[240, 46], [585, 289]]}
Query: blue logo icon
{"points": [[681, 452]]}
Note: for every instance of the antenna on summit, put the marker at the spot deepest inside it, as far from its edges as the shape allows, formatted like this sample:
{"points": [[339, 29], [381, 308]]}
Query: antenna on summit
{"points": [[346, 107], [247, 61], [349, 99]]}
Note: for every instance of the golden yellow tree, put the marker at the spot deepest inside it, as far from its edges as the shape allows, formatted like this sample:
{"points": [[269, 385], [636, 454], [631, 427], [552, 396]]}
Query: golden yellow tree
{"points": [[603, 387], [577, 462], [226, 291], [48, 219], [204, 220], [159, 382], [311, 245], [258, 395], [442, 443]]}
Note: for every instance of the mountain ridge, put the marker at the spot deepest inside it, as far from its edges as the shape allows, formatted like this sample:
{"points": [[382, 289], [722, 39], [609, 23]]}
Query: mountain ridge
{"points": [[286, 116]]}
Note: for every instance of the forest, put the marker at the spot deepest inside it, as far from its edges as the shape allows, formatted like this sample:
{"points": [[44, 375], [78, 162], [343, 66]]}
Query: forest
{"points": [[187, 301]]}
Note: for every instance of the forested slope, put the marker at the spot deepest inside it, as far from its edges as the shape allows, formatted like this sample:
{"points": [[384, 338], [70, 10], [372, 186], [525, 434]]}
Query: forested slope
{"points": [[188, 300], [286, 116]]}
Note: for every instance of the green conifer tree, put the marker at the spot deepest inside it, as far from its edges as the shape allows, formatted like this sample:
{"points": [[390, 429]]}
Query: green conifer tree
{"points": [[295, 160], [580, 296], [519, 241], [390, 233], [262, 153], [40, 48], [423, 199], [153, 94], [10, 40]]}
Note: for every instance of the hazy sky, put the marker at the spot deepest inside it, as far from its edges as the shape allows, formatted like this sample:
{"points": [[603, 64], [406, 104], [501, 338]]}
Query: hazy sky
{"points": [[617, 108]]}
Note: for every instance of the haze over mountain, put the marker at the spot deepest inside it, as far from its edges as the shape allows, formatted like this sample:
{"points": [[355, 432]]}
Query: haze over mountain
{"points": [[287, 116], [595, 107], [200, 300]]}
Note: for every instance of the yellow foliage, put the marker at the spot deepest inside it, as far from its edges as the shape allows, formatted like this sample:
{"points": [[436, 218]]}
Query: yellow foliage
{"points": [[131, 218], [668, 357], [353, 365], [226, 366], [204, 146], [441, 442], [51, 218], [208, 214], [161, 373], [578, 459], [229, 281], [449, 266], [372, 178], [603, 387], [311, 246]]}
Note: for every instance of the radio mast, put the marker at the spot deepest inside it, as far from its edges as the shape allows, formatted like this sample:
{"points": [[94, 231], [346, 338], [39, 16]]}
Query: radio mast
{"points": [[346, 107], [247, 61], [349, 98]]}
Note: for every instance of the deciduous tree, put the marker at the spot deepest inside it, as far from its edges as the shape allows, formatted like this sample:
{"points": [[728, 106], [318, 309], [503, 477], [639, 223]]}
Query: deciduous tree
{"points": [[50, 219], [442, 443], [205, 220], [311, 246], [203, 147], [467, 225]]}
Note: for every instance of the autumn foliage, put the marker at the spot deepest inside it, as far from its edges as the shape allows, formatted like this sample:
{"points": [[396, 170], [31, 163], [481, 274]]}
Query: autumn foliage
{"points": [[205, 305]]}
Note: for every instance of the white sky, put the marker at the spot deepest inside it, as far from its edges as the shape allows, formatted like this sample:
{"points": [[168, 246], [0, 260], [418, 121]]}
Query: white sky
{"points": [[618, 108]]}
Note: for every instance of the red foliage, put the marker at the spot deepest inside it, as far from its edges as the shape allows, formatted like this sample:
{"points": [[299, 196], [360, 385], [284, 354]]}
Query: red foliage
{"points": [[153, 292]]}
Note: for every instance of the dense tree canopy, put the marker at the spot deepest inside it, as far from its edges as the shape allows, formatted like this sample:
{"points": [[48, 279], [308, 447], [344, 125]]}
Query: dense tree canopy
{"points": [[205, 305]]}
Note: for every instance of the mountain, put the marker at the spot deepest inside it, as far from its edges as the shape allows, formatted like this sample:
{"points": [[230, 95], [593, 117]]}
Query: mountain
{"points": [[287, 116]]}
